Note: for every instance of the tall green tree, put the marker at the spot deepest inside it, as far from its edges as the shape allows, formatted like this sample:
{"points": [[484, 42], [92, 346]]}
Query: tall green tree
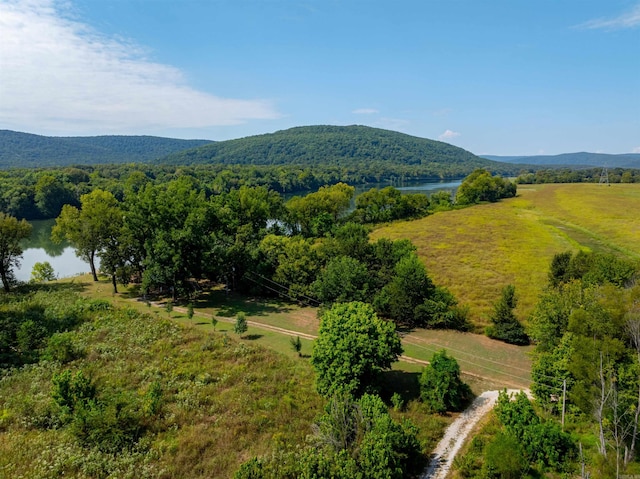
{"points": [[90, 228], [12, 232], [315, 214], [506, 326], [173, 227], [408, 289], [343, 279], [353, 347], [51, 194]]}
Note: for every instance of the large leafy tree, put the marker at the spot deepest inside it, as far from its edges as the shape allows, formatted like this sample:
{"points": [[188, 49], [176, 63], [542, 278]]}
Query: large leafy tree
{"points": [[173, 226], [481, 186], [408, 288], [90, 228], [12, 232], [353, 347], [316, 213], [343, 279]]}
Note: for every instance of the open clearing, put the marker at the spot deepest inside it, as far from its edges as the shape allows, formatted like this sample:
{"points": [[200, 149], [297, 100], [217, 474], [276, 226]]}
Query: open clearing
{"points": [[486, 364], [476, 251]]}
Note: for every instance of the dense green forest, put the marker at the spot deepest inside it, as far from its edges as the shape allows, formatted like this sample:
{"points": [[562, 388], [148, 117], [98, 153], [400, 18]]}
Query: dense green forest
{"points": [[344, 146], [27, 150]]}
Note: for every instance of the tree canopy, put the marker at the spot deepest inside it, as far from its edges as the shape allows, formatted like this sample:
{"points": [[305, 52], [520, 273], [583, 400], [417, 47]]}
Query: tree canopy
{"points": [[352, 348], [90, 228], [12, 231], [482, 186]]}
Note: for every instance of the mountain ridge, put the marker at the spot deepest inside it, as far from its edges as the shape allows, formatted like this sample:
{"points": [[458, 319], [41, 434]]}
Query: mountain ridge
{"points": [[352, 146], [582, 158], [19, 149]]}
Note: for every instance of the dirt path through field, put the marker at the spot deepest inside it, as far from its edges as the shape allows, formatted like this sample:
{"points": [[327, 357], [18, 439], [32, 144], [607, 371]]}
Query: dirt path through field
{"points": [[456, 434]]}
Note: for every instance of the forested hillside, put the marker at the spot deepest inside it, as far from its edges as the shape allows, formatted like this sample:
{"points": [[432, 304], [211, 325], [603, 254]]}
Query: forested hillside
{"points": [[626, 160], [346, 146], [26, 150]]}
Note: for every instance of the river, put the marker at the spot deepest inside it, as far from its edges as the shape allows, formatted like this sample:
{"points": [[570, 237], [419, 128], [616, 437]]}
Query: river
{"points": [[39, 248]]}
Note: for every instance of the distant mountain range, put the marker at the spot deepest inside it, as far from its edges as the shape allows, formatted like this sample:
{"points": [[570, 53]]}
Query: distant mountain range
{"points": [[353, 147], [626, 160], [25, 150]]}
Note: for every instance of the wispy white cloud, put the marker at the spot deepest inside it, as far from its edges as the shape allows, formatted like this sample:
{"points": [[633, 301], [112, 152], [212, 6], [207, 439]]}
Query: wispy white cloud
{"points": [[448, 135], [365, 111], [59, 76], [629, 19], [636, 149]]}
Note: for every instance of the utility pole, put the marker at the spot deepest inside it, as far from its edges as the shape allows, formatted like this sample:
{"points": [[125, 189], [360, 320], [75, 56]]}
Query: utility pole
{"points": [[604, 177]]}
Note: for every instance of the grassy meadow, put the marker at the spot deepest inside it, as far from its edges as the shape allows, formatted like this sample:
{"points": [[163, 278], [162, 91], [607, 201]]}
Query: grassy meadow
{"points": [[224, 398], [485, 363], [476, 251]]}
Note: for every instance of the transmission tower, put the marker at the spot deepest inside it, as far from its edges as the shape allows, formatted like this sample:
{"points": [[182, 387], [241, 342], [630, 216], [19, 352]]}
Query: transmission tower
{"points": [[604, 176]]}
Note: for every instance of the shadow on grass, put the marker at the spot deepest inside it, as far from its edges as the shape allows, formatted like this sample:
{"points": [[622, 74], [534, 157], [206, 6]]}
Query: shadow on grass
{"points": [[402, 382], [77, 287], [251, 337], [230, 304]]}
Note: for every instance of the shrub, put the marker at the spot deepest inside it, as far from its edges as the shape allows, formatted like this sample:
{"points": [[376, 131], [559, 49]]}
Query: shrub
{"points": [[42, 272], [441, 388], [60, 348], [240, 327]]}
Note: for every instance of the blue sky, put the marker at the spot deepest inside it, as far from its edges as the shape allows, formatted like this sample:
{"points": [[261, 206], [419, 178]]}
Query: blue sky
{"points": [[495, 77]]}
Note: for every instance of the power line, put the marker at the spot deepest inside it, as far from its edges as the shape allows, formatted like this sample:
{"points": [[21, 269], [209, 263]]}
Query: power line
{"points": [[468, 354]]}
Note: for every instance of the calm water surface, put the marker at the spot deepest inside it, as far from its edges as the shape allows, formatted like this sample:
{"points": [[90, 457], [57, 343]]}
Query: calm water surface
{"points": [[39, 248]]}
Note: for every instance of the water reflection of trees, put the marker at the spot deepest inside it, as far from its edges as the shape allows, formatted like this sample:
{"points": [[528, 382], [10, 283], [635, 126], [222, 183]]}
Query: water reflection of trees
{"points": [[41, 238]]}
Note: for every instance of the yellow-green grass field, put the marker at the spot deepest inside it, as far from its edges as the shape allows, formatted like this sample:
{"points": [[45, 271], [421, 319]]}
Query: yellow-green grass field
{"points": [[478, 250]]}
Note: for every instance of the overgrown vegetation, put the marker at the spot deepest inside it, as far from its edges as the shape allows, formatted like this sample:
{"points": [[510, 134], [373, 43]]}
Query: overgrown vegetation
{"points": [[354, 439], [122, 394], [519, 444], [587, 364]]}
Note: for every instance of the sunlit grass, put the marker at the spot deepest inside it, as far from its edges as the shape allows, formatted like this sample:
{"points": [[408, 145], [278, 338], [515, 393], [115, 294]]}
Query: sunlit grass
{"points": [[476, 251]]}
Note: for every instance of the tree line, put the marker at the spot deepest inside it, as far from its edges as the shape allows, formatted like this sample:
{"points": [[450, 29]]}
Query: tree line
{"points": [[40, 193], [586, 175]]}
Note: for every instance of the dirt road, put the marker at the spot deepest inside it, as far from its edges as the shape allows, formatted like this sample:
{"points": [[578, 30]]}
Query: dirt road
{"points": [[457, 433]]}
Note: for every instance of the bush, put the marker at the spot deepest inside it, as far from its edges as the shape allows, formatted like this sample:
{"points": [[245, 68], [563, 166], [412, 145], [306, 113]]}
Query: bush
{"points": [[60, 348], [441, 388], [42, 273], [504, 458], [240, 327], [110, 427], [72, 392]]}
